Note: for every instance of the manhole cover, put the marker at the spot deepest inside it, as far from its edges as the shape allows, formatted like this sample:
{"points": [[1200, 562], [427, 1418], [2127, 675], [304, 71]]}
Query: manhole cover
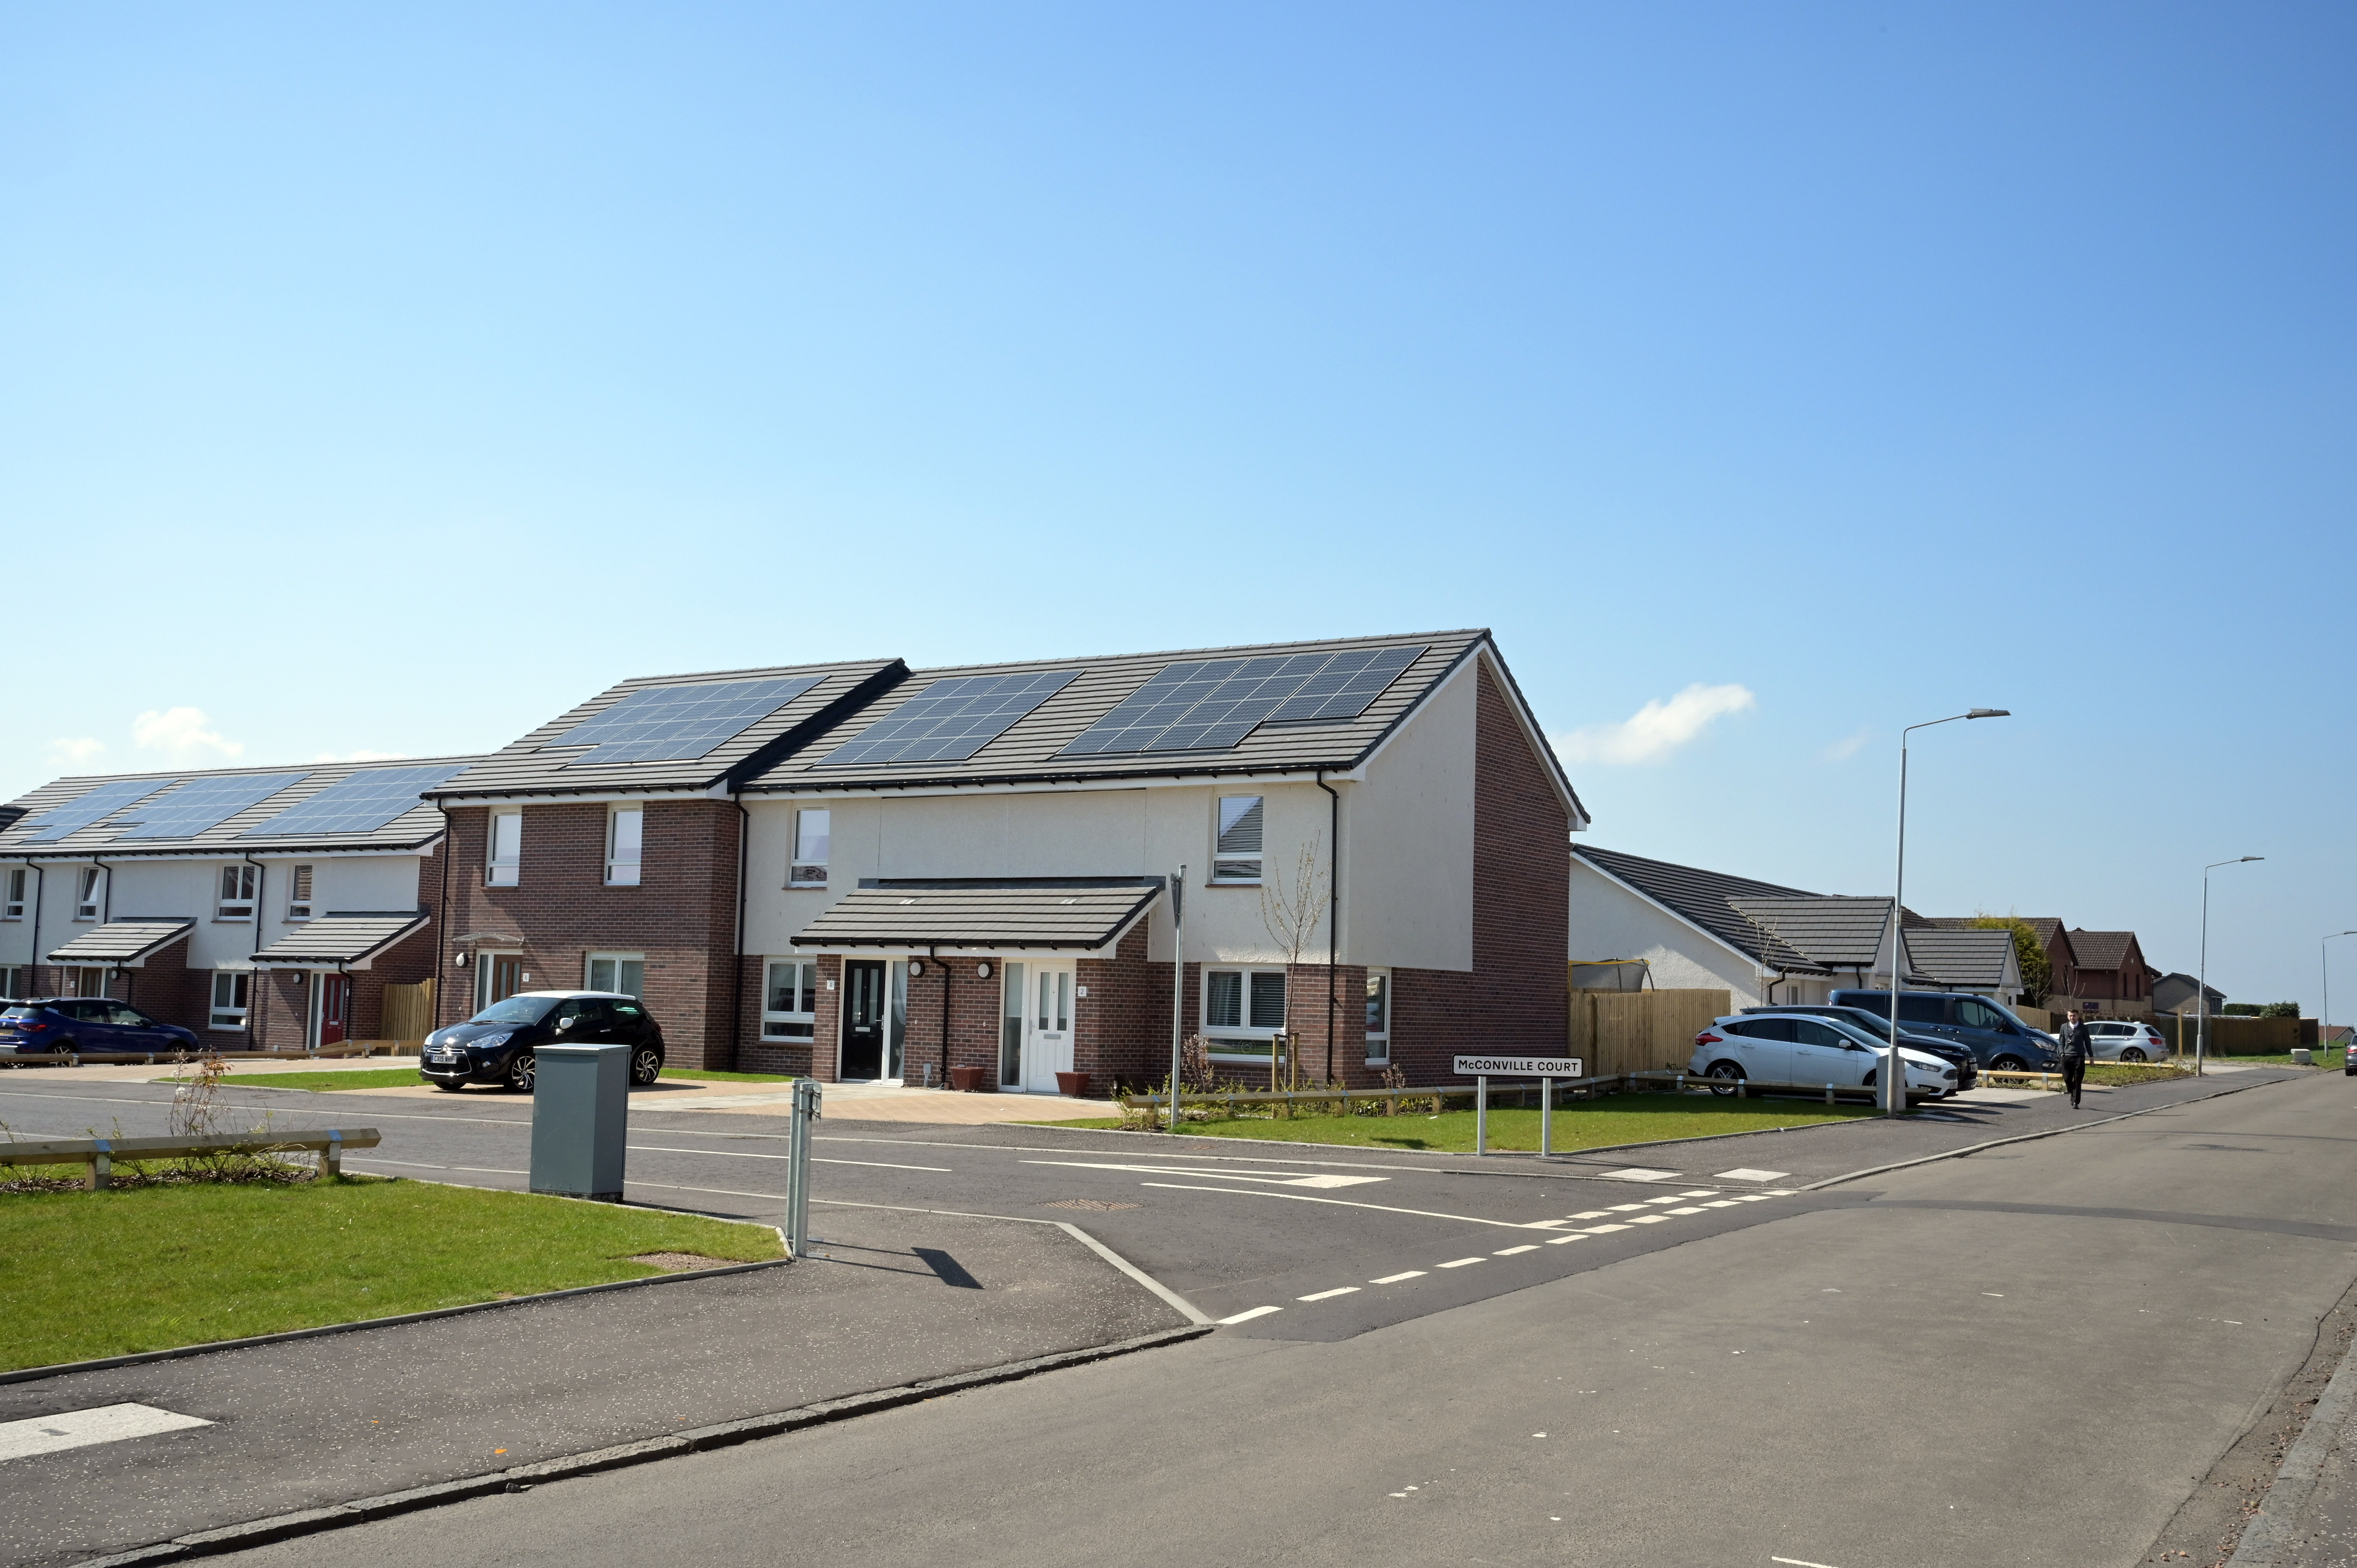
{"points": [[1097, 1204]]}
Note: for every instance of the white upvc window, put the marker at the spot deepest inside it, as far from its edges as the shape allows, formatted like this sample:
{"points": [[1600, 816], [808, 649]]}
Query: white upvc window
{"points": [[1242, 1008], [625, 830], [237, 887], [789, 1000], [90, 892], [299, 892], [232, 988], [1236, 843], [14, 907], [14, 979], [505, 865], [622, 972], [812, 831], [1379, 1016]]}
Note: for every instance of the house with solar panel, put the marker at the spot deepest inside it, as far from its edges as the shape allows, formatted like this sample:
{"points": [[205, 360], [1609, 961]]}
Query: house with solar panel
{"points": [[864, 871], [266, 909]]}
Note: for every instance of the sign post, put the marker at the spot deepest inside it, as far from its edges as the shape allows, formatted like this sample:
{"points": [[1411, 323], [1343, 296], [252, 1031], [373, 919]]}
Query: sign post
{"points": [[1547, 1070]]}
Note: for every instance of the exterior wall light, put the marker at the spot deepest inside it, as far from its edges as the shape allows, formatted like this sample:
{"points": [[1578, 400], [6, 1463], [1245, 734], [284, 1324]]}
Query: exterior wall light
{"points": [[982, 970]]}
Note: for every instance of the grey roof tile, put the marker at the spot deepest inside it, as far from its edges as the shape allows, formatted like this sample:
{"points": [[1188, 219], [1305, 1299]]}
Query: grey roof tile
{"points": [[2100, 949], [1011, 914], [121, 942], [242, 833], [1833, 932], [1703, 897], [1962, 960], [342, 937]]}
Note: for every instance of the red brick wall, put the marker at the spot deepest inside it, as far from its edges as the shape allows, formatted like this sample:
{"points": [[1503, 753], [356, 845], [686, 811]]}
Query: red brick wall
{"points": [[682, 915], [169, 992], [1306, 1014], [1121, 1029]]}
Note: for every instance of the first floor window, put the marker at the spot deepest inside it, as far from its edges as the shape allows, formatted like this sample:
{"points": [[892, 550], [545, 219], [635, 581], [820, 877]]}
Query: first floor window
{"points": [[14, 910], [1242, 1008], [789, 1000], [624, 972], [624, 827], [90, 892], [505, 865], [1379, 1016], [236, 893], [812, 830], [231, 987], [1237, 848], [298, 893]]}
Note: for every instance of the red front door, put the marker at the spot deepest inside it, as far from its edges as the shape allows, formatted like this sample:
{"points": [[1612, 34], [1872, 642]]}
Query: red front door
{"points": [[335, 1000]]}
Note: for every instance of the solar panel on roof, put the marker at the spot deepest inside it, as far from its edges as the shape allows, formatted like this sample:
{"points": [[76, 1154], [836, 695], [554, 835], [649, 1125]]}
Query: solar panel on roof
{"points": [[83, 809], [676, 724], [1212, 704], [950, 720], [206, 803], [358, 804]]}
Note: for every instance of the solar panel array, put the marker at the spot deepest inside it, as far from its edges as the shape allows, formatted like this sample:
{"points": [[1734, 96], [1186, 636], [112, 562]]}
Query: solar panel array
{"points": [[673, 723], [206, 803], [1212, 704], [83, 809], [360, 803], [950, 720]]}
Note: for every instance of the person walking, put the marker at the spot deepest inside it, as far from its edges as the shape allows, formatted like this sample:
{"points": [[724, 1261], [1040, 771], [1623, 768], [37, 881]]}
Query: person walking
{"points": [[2078, 1045]]}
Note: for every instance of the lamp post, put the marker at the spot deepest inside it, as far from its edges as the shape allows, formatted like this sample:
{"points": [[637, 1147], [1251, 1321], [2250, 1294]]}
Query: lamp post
{"points": [[2202, 980], [2324, 973], [1894, 1080]]}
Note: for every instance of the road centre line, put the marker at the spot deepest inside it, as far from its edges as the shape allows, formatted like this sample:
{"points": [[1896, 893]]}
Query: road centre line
{"points": [[1509, 1251], [1341, 1202], [1797, 1562], [1394, 1279], [1248, 1314], [1559, 1241], [1461, 1263], [1327, 1294], [1221, 1176]]}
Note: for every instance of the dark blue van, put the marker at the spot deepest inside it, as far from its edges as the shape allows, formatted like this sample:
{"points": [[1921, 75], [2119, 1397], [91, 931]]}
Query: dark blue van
{"points": [[2001, 1042]]}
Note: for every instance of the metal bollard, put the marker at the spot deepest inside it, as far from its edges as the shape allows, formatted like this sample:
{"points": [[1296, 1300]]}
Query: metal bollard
{"points": [[806, 1111], [1546, 1118], [1481, 1116]]}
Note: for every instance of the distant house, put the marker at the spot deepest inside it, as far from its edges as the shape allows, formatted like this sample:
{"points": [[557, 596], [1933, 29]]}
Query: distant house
{"points": [[2106, 972], [2175, 993]]}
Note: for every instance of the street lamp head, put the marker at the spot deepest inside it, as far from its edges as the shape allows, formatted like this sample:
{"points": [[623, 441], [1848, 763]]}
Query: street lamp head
{"points": [[2250, 857], [1990, 714]]}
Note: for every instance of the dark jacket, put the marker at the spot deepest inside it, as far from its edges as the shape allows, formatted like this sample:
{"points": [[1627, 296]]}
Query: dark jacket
{"points": [[2077, 1045]]}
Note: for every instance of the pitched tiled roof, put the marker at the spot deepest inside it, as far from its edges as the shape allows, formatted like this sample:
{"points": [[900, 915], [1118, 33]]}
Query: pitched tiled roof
{"points": [[1032, 750], [244, 830], [340, 937], [1959, 960], [1012, 914], [543, 763], [2100, 949], [1705, 899], [121, 942], [1832, 933]]}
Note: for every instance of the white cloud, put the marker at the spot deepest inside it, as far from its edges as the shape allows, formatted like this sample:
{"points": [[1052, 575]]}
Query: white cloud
{"points": [[180, 734], [360, 757], [78, 749], [1844, 749], [1658, 728]]}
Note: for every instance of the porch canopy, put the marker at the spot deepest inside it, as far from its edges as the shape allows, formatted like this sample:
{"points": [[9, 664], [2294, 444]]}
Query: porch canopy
{"points": [[125, 943], [341, 940], [983, 914]]}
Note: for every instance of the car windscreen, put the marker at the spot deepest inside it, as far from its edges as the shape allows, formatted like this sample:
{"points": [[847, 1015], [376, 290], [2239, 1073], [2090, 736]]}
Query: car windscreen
{"points": [[516, 1010], [1859, 1018]]}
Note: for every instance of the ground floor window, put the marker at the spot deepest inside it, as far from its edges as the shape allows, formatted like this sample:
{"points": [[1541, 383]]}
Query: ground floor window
{"points": [[1242, 1009], [14, 980], [81, 982], [789, 1000], [620, 971], [1379, 1016], [232, 992]]}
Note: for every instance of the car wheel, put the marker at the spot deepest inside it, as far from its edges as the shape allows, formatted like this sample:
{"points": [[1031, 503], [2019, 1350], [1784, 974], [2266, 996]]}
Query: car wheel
{"points": [[2131, 1055], [521, 1074], [2009, 1064], [1867, 1081], [1726, 1074], [646, 1065], [64, 1048]]}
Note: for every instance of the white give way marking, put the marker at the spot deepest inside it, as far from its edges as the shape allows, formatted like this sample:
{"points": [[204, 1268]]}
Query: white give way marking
{"points": [[1277, 1176], [80, 1428]]}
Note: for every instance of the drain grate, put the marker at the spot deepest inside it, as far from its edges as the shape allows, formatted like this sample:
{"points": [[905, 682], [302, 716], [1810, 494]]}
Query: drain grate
{"points": [[1097, 1205]]}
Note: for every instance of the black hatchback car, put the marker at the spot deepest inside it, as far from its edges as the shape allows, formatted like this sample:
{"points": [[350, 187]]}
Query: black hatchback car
{"points": [[498, 1043], [1968, 1065]]}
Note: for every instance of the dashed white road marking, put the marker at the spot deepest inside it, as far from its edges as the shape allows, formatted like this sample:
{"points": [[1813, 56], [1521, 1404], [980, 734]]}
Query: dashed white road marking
{"points": [[82, 1428], [1593, 1214], [1797, 1562], [1462, 1261], [1247, 1316], [815, 1159], [1327, 1294], [1394, 1279], [1647, 1218], [1343, 1202], [1643, 1173], [1509, 1251], [1280, 1178], [1626, 1207], [1687, 1211], [1746, 1172], [1559, 1241], [1720, 1203], [1602, 1229]]}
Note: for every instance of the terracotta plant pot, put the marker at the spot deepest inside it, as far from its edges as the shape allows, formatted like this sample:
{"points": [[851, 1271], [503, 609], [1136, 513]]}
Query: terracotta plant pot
{"points": [[1072, 1085], [968, 1080]]}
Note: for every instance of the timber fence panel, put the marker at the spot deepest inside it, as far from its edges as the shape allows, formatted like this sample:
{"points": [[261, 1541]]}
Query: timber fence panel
{"points": [[1642, 1031], [409, 1012]]}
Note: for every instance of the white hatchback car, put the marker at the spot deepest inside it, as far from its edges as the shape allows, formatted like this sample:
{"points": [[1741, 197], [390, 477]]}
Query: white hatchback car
{"points": [[1790, 1048], [2119, 1041]]}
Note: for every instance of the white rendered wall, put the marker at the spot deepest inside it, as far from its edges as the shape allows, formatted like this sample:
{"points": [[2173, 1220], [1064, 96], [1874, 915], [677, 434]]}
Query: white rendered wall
{"points": [[1609, 921], [1407, 840], [190, 890]]}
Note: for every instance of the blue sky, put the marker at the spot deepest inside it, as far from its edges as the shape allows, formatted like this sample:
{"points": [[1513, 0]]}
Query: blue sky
{"points": [[387, 381]]}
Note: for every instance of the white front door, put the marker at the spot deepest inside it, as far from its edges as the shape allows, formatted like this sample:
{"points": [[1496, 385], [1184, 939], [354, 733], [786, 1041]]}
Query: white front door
{"points": [[1047, 1026]]}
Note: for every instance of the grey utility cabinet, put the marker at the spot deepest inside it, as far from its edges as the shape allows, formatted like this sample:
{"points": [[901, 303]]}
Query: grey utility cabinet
{"points": [[580, 1113]]}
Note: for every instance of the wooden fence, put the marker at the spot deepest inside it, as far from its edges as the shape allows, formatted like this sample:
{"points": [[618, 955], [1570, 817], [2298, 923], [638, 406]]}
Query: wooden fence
{"points": [[1640, 1031], [2233, 1037], [408, 1013]]}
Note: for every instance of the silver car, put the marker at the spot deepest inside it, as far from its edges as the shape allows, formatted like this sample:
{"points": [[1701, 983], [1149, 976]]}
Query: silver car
{"points": [[1790, 1048], [2119, 1041]]}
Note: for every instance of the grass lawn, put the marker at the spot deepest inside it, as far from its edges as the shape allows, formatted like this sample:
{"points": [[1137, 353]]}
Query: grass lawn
{"points": [[107, 1274], [358, 1077], [1585, 1124]]}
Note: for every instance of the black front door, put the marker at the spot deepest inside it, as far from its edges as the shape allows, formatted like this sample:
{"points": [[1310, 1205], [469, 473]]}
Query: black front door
{"points": [[863, 1018]]}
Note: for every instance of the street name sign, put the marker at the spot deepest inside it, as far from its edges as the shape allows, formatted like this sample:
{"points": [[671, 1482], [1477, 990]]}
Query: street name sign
{"points": [[1519, 1067]]}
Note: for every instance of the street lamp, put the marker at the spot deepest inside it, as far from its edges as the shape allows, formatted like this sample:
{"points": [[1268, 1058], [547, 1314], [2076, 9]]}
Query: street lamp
{"points": [[2324, 971], [1894, 1079], [2202, 980]]}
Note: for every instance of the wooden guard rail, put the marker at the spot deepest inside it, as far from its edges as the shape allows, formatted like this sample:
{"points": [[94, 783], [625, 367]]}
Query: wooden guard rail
{"points": [[78, 1059], [1606, 1083], [100, 1153]]}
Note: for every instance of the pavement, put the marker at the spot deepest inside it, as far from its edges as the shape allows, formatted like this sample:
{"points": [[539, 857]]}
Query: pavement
{"points": [[2033, 1356]]}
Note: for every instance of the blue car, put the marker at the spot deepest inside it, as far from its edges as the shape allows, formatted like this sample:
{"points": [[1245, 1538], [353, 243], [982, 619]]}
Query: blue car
{"points": [[1999, 1040], [88, 1025]]}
